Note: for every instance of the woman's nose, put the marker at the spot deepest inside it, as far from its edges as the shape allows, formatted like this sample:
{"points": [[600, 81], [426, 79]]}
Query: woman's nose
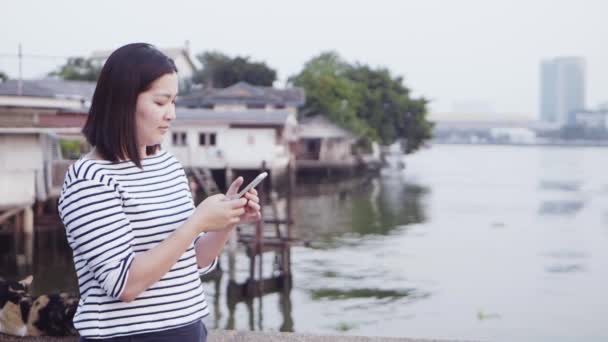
{"points": [[170, 115]]}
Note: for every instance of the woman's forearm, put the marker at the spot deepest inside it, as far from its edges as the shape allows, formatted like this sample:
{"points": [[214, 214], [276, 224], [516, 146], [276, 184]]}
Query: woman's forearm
{"points": [[148, 267], [210, 245]]}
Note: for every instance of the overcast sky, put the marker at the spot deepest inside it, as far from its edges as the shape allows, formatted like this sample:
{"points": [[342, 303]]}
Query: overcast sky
{"points": [[463, 55]]}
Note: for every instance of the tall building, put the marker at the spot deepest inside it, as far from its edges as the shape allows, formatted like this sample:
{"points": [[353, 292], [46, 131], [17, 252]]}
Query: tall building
{"points": [[562, 88]]}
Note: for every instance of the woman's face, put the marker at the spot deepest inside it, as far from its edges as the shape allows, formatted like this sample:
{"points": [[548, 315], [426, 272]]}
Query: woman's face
{"points": [[155, 110]]}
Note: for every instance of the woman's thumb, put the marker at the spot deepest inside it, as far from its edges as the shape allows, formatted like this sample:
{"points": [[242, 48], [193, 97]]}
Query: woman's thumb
{"points": [[234, 188]]}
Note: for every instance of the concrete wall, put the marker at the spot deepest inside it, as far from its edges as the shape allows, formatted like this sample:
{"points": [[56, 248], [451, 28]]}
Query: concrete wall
{"points": [[242, 148], [336, 150], [239, 107], [192, 154], [21, 160], [44, 102], [184, 68]]}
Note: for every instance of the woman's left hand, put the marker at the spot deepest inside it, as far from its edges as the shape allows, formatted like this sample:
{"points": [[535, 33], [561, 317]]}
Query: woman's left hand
{"points": [[252, 208]]}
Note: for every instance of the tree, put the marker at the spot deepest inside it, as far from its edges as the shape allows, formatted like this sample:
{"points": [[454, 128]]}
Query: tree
{"points": [[388, 108], [78, 69], [3, 76], [330, 93], [221, 71], [369, 102]]}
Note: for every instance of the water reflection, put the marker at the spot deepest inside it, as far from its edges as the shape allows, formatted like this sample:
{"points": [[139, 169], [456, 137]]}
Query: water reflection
{"points": [[371, 293], [250, 313], [44, 254], [560, 207], [328, 213], [285, 307], [566, 261], [566, 254], [568, 186], [566, 197], [565, 268]]}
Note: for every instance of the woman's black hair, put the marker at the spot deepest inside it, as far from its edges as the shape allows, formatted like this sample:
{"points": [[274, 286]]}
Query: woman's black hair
{"points": [[110, 126]]}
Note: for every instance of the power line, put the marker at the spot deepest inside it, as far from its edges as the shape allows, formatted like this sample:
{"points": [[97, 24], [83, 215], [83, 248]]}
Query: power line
{"points": [[16, 55], [20, 57]]}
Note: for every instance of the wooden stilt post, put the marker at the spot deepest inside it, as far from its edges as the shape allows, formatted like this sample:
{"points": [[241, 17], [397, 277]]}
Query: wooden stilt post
{"points": [[233, 240], [28, 220], [260, 230], [28, 239], [18, 220]]}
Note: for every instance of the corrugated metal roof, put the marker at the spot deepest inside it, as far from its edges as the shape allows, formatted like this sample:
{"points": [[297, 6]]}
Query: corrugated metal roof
{"points": [[50, 87], [243, 92], [320, 127], [38, 130], [250, 117]]}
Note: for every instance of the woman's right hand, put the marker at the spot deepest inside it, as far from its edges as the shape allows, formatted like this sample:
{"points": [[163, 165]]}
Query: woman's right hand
{"points": [[217, 212]]}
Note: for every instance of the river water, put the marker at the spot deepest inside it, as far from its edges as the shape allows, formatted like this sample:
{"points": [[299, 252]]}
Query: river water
{"points": [[495, 243]]}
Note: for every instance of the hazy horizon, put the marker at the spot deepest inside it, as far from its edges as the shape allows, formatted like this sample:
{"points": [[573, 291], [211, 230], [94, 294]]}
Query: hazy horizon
{"points": [[469, 56]]}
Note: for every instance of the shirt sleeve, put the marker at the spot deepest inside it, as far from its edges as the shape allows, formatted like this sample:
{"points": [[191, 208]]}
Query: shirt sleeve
{"points": [[98, 232]]}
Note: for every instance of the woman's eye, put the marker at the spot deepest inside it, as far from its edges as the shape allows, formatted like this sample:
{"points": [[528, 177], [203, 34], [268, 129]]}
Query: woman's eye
{"points": [[160, 103]]}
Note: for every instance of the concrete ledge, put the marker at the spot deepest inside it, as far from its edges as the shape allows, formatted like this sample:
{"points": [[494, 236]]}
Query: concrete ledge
{"points": [[252, 336], [242, 336]]}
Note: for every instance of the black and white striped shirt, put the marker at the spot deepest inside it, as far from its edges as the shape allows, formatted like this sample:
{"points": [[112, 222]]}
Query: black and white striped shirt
{"points": [[112, 211]]}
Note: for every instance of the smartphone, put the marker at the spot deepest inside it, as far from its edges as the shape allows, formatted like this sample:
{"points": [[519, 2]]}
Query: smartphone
{"points": [[253, 184]]}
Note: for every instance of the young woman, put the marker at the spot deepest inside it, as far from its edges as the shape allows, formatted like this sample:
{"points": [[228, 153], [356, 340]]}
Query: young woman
{"points": [[139, 244]]}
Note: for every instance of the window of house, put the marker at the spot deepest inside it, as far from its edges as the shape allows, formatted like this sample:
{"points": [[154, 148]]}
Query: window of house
{"points": [[207, 139], [256, 105], [179, 138], [311, 146]]}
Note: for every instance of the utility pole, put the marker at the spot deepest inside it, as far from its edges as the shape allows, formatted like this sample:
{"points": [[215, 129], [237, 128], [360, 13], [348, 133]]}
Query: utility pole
{"points": [[20, 79]]}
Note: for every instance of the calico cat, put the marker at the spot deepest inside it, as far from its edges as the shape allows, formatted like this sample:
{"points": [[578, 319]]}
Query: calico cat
{"points": [[21, 314], [14, 312]]}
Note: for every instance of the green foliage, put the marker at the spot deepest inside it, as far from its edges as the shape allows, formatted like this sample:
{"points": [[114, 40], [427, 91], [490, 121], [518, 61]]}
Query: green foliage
{"points": [[70, 149], [368, 101], [329, 92], [221, 71], [388, 108], [345, 326], [78, 69], [342, 294], [3, 76]]}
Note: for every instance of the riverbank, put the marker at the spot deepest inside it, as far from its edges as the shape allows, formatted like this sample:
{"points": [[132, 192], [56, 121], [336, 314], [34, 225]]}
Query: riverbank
{"points": [[557, 143]]}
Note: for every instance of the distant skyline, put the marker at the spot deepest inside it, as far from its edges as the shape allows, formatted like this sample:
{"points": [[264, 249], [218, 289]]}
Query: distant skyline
{"points": [[563, 88], [465, 54]]}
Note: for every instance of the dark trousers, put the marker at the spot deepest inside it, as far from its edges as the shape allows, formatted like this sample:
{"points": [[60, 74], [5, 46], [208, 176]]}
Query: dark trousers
{"points": [[195, 332]]}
